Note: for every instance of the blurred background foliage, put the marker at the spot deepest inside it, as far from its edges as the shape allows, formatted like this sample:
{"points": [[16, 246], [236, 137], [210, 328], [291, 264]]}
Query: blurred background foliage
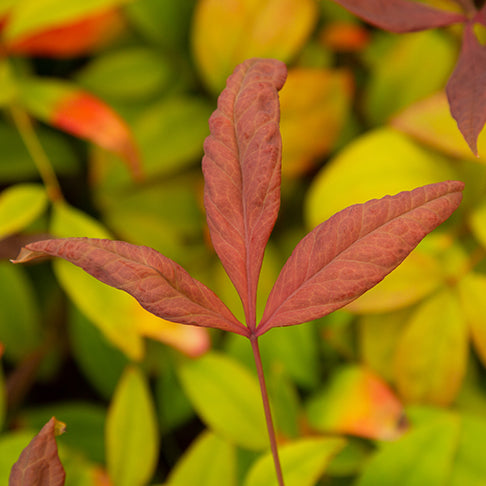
{"points": [[104, 112]]}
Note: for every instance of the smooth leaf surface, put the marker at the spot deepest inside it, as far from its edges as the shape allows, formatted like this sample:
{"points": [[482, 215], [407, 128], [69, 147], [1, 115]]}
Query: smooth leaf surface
{"points": [[303, 462], [466, 89], [209, 461], [160, 285], [227, 398], [357, 402], [39, 464], [338, 260], [131, 432], [249, 29], [241, 169], [19, 206], [81, 114], [431, 356], [400, 15]]}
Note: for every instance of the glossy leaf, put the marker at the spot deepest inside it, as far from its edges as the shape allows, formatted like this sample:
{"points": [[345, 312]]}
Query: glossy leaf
{"points": [[270, 29], [75, 38], [437, 334], [227, 398], [131, 432], [160, 285], [19, 206], [70, 109], [241, 169], [210, 460], [357, 402], [466, 89], [400, 15], [303, 462], [39, 464], [338, 260]]}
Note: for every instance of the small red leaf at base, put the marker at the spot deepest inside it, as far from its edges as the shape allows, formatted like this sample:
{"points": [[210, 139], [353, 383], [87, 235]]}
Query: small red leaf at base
{"points": [[39, 464]]}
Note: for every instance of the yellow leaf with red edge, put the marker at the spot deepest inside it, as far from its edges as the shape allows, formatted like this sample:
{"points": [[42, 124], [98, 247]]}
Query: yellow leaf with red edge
{"points": [[226, 32], [357, 402], [314, 107], [68, 108], [73, 39], [430, 122]]}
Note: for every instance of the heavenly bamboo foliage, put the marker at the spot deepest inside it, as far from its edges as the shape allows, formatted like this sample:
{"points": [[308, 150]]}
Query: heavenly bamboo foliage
{"points": [[242, 173], [334, 264]]}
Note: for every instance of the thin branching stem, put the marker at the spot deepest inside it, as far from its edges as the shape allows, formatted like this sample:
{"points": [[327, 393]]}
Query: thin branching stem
{"points": [[266, 407], [26, 130]]}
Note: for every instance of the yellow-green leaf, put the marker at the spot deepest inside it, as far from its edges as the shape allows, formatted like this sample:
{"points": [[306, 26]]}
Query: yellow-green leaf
{"points": [[227, 398], [113, 311], [132, 438], [19, 206], [226, 33], [209, 461], [303, 462], [431, 357], [379, 163]]}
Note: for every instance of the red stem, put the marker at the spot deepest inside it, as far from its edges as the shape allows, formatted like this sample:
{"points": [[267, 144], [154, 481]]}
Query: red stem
{"points": [[266, 407]]}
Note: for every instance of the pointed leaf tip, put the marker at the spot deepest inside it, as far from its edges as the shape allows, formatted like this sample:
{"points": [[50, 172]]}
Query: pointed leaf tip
{"points": [[241, 169], [160, 285], [39, 464], [353, 250]]}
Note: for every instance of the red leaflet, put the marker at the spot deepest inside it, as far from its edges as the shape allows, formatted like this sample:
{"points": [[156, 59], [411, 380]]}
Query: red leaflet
{"points": [[353, 250], [242, 172], [466, 89], [400, 15], [160, 285], [39, 464]]}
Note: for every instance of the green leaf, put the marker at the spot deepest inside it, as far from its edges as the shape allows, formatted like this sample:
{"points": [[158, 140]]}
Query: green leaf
{"points": [[113, 311], [20, 328], [3, 396], [397, 77], [431, 357], [129, 74], [209, 461], [31, 16], [421, 457], [85, 423], [477, 220], [19, 206], [303, 462], [227, 398], [132, 439]]}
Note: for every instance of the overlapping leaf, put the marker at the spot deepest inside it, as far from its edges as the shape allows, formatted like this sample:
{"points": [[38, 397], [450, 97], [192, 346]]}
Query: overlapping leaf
{"points": [[353, 250], [242, 172], [159, 284]]}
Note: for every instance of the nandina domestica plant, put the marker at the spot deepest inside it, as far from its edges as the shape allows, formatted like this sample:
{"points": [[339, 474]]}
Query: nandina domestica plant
{"points": [[334, 264]]}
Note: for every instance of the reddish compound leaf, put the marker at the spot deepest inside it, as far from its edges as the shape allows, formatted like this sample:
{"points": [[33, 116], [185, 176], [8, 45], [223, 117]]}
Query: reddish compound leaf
{"points": [[160, 285], [400, 15], [353, 250], [39, 464], [466, 89], [242, 172]]}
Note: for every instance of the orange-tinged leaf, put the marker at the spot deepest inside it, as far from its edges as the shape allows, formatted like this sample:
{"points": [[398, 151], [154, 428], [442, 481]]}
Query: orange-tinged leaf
{"points": [[70, 109], [160, 285], [431, 356], [345, 36], [241, 169], [74, 39], [39, 464], [358, 402], [250, 28], [430, 122], [314, 106], [353, 250]]}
